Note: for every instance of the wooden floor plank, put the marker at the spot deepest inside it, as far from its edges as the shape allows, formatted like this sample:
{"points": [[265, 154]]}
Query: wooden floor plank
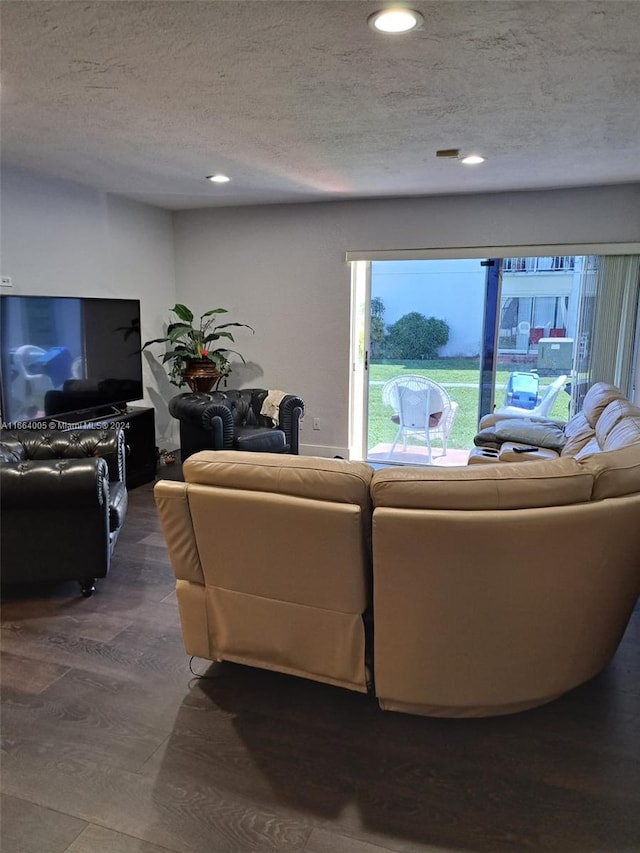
{"points": [[322, 841], [121, 738], [109, 740], [28, 828], [98, 839], [198, 817], [27, 675]]}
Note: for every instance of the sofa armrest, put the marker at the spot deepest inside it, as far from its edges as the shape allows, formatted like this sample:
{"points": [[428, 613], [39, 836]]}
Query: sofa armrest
{"points": [[201, 412], [512, 451], [177, 526], [11, 450], [110, 444], [68, 483], [291, 411], [493, 418]]}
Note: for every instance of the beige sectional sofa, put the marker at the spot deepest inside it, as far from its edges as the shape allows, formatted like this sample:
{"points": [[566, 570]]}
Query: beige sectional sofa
{"points": [[489, 589], [586, 433], [272, 557]]}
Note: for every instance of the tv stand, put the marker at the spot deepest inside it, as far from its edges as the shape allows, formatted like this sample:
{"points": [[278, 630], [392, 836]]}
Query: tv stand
{"points": [[104, 412], [140, 437], [139, 427]]}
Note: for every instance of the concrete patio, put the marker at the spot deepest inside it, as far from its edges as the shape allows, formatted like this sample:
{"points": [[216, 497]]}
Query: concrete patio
{"points": [[416, 454]]}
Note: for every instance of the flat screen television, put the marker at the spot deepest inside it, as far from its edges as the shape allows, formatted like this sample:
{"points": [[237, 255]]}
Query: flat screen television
{"points": [[69, 357]]}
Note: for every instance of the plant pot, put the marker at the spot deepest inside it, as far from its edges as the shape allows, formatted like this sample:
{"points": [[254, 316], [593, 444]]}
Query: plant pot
{"points": [[201, 375]]}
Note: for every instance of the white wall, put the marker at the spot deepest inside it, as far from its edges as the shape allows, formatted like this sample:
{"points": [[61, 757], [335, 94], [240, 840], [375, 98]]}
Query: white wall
{"points": [[451, 290], [62, 238], [282, 269]]}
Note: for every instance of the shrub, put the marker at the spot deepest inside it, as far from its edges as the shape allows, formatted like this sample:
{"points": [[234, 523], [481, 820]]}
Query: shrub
{"points": [[415, 336]]}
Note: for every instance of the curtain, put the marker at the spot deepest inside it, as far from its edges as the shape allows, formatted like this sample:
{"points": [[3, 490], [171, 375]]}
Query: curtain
{"points": [[606, 327]]}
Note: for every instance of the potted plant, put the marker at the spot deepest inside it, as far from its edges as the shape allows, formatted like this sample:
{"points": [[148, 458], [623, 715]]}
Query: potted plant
{"points": [[193, 360]]}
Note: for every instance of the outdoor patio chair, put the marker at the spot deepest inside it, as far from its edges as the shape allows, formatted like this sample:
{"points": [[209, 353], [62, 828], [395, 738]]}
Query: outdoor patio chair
{"points": [[422, 407]]}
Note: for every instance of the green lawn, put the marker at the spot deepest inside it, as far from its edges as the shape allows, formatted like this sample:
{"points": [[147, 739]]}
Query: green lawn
{"points": [[452, 373]]}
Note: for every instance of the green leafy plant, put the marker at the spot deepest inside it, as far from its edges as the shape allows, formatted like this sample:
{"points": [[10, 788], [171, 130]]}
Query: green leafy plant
{"points": [[191, 341], [415, 336]]}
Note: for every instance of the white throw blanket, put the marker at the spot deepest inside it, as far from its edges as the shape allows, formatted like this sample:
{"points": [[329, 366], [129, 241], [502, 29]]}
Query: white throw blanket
{"points": [[271, 406]]}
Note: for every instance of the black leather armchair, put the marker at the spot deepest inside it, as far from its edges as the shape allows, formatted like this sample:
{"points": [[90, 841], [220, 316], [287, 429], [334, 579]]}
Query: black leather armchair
{"points": [[64, 501], [232, 420]]}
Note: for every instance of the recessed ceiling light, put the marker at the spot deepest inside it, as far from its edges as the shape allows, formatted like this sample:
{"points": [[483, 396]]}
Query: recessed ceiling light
{"points": [[396, 20], [218, 179], [472, 160]]}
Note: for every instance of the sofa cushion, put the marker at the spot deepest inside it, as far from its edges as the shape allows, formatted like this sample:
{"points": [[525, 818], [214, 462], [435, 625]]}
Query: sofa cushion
{"points": [[616, 472], [524, 432], [578, 433], [299, 476], [487, 438], [597, 399], [557, 482], [626, 433], [588, 449], [259, 439], [618, 425], [434, 419]]}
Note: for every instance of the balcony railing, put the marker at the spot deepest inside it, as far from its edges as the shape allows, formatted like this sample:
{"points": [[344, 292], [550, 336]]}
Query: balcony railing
{"points": [[554, 263]]}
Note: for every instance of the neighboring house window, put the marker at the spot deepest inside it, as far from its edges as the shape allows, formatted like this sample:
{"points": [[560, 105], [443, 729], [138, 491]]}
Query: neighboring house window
{"points": [[537, 300], [526, 319], [552, 263]]}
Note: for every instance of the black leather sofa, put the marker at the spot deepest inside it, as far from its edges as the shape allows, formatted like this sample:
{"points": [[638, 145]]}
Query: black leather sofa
{"points": [[232, 420], [63, 501]]}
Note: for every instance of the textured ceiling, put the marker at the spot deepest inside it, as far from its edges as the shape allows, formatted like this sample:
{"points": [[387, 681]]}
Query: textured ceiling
{"points": [[300, 100]]}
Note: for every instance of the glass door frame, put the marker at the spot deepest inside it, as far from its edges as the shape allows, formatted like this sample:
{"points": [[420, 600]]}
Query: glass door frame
{"points": [[359, 359], [489, 354], [359, 353], [360, 345]]}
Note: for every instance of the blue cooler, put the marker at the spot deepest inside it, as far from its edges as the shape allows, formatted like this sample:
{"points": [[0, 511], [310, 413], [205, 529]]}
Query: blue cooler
{"points": [[522, 390]]}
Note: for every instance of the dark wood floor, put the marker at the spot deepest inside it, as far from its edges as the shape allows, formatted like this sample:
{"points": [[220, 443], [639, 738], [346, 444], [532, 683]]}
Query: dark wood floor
{"points": [[111, 746]]}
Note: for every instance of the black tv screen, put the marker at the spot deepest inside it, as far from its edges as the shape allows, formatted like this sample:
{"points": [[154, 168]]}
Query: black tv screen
{"points": [[68, 356]]}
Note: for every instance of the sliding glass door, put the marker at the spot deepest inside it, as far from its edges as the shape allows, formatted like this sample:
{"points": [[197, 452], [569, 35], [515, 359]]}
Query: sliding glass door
{"points": [[536, 345], [453, 339], [571, 316], [427, 320]]}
